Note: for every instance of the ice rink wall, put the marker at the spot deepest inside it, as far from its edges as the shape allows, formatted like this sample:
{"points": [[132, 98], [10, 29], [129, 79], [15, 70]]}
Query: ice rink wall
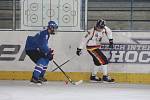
{"points": [[129, 61]]}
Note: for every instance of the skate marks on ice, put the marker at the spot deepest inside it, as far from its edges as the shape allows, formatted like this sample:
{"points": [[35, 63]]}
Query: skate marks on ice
{"points": [[21, 90]]}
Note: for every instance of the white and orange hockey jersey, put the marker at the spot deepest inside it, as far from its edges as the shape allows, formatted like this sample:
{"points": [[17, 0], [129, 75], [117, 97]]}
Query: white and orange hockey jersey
{"points": [[94, 37]]}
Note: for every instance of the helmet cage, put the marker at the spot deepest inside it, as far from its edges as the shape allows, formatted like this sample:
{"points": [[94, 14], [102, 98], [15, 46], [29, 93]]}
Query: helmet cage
{"points": [[100, 24], [52, 25]]}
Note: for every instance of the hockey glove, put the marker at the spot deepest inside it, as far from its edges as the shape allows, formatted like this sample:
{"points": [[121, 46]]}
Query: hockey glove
{"points": [[50, 55], [79, 51], [110, 43]]}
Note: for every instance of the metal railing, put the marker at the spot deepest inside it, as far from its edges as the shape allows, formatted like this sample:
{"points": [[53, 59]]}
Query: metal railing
{"points": [[119, 14]]}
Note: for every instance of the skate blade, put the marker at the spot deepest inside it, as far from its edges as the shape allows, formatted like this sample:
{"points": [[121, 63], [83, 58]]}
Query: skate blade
{"points": [[45, 82], [39, 84], [108, 82], [91, 81]]}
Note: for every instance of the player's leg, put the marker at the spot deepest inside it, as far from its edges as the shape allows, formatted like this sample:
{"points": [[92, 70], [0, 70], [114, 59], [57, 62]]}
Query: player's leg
{"points": [[95, 69], [42, 75], [36, 73], [37, 58], [104, 65], [40, 69]]}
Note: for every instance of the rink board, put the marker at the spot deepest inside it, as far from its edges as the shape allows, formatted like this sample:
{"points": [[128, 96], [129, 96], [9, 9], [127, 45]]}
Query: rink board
{"points": [[58, 76], [130, 60]]}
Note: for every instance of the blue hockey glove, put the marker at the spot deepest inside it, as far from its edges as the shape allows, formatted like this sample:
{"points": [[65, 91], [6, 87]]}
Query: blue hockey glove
{"points": [[50, 55]]}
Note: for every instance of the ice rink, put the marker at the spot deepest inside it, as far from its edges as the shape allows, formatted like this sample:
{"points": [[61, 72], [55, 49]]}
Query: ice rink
{"points": [[23, 90]]}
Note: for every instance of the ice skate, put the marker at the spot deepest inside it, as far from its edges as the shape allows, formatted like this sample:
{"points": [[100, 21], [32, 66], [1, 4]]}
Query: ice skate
{"points": [[95, 79], [43, 79], [107, 79], [34, 81]]}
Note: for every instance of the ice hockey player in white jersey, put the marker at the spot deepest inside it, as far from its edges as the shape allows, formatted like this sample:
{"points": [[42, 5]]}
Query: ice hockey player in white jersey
{"points": [[92, 41]]}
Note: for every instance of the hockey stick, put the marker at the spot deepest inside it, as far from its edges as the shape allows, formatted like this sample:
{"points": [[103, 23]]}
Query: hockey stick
{"points": [[69, 79], [64, 63], [110, 54]]}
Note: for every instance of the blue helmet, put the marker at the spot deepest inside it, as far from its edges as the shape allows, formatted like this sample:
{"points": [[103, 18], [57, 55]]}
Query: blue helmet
{"points": [[52, 24], [100, 23]]}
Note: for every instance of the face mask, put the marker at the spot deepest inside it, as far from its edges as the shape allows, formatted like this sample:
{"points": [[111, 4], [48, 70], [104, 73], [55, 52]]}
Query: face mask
{"points": [[52, 31]]}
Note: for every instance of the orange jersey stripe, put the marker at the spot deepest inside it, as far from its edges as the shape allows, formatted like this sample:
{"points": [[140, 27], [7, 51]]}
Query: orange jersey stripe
{"points": [[100, 59]]}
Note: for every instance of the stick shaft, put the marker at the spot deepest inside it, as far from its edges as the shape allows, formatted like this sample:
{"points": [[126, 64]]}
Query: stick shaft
{"points": [[62, 63], [69, 79]]}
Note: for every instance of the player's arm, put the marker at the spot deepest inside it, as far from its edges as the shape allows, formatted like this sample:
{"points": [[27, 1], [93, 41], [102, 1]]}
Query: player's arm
{"points": [[84, 41], [109, 36], [43, 46]]}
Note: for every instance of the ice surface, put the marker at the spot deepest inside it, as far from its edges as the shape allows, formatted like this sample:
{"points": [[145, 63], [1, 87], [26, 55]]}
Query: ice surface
{"points": [[23, 90]]}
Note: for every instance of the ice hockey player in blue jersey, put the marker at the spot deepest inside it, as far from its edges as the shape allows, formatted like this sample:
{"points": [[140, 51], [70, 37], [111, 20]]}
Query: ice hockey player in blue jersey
{"points": [[37, 49]]}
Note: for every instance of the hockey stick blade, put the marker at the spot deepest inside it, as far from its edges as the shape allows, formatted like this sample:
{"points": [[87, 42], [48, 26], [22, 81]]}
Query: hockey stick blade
{"points": [[78, 83], [69, 79], [75, 83]]}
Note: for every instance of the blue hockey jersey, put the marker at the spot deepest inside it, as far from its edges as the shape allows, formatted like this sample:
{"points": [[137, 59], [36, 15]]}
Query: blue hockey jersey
{"points": [[38, 42]]}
